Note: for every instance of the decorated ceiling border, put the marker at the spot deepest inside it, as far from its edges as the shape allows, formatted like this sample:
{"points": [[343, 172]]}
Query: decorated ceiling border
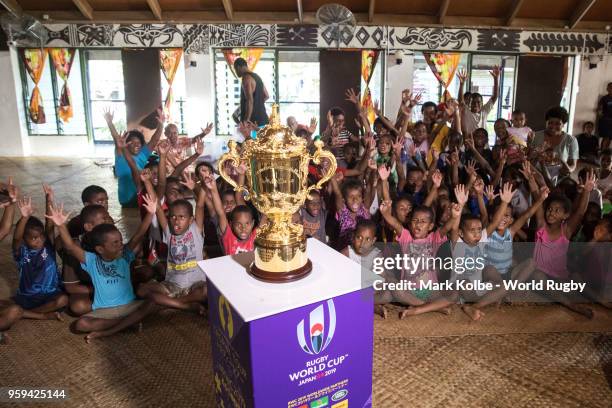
{"points": [[199, 38]]}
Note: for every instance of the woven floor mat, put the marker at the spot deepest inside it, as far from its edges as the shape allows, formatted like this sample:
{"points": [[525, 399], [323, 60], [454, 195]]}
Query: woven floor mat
{"points": [[506, 319], [519, 370]]}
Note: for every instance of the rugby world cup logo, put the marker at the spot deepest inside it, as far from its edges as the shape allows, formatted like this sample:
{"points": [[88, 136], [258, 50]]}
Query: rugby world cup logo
{"points": [[319, 336]]}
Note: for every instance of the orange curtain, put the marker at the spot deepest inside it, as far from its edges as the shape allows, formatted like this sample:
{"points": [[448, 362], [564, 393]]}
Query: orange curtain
{"points": [[34, 60], [250, 55], [368, 63], [443, 66], [170, 59], [62, 61]]}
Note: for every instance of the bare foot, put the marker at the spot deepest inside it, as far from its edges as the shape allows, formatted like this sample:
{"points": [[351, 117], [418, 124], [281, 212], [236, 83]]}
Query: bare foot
{"points": [[54, 316], [447, 311], [4, 338], [475, 314], [92, 336], [380, 310], [406, 312]]}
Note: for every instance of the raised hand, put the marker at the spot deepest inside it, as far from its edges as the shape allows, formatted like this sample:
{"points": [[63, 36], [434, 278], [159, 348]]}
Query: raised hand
{"points": [[376, 108], [207, 129], [242, 168], [25, 207], [57, 214], [189, 181], [526, 169], [469, 142], [416, 99], [372, 164], [145, 175], [470, 169], [490, 193], [456, 210], [590, 182], [436, 178], [160, 115], [108, 114], [383, 172], [150, 203], [122, 141], [454, 157], [506, 193], [49, 195], [385, 207], [339, 176], [313, 125], [330, 119], [406, 96], [13, 190], [503, 156], [544, 191], [461, 194], [495, 72], [210, 183], [163, 147], [462, 75], [397, 145], [352, 96]]}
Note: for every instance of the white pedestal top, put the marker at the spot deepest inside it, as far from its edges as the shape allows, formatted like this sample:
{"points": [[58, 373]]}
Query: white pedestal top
{"points": [[333, 274]]}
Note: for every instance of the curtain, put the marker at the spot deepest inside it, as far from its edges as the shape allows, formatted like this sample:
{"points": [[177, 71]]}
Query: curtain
{"points": [[369, 58], [170, 59], [62, 61], [443, 66], [34, 60], [250, 55]]}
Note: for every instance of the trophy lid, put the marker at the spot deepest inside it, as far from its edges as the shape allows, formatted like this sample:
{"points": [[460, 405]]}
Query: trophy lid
{"points": [[277, 138]]}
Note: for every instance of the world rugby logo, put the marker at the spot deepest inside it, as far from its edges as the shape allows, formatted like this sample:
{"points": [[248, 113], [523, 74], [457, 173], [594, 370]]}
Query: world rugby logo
{"points": [[319, 336]]}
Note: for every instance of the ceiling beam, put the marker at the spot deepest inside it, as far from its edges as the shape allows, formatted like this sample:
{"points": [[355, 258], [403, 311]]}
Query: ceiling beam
{"points": [[12, 6], [580, 12], [442, 11], [371, 10], [514, 9], [300, 11], [229, 10], [155, 8], [214, 17], [85, 8]]}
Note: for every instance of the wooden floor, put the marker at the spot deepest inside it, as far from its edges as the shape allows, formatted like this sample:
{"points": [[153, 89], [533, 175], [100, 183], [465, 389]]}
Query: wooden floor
{"points": [[532, 356]]}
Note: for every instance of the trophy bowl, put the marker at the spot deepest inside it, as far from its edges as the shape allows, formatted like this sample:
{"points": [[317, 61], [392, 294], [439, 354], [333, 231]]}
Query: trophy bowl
{"points": [[276, 183]]}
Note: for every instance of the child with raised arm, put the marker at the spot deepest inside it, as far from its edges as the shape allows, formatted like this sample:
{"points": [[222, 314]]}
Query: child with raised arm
{"points": [[557, 222], [39, 295], [185, 284], [115, 306], [351, 206], [237, 230]]}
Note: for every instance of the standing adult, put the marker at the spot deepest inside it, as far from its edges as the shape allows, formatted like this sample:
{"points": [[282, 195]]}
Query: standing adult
{"points": [[604, 113], [253, 95]]}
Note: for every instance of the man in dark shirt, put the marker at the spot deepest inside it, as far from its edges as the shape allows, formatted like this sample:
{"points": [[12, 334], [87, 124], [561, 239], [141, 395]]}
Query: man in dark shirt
{"points": [[604, 112], [253, 95], [588, 143]]}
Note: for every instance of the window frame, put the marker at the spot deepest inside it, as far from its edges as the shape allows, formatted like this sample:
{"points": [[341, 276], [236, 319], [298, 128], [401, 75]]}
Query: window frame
{"points": [[25, 90]]}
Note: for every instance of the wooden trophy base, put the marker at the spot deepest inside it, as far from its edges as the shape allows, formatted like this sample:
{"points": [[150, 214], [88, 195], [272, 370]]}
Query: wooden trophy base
{"points": [[281, 277]]}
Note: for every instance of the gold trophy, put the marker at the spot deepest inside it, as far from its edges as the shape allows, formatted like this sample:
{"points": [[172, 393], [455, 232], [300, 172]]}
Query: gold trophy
{"points": [[277, 170]]}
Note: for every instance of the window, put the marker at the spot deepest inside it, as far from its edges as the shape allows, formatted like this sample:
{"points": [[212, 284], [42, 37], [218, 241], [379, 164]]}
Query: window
{"points": [[178, 113], [106, 91], [298, 84], [227, 88], [50, 86], [425, 82]]}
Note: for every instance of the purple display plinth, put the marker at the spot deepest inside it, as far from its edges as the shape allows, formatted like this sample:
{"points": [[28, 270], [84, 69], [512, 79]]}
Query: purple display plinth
{"points": [[313, 356]]}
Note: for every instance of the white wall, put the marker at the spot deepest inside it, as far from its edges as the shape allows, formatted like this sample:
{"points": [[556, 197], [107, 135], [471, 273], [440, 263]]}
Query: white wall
{"points": [[10, 113], [399, 77], [592, 86]]}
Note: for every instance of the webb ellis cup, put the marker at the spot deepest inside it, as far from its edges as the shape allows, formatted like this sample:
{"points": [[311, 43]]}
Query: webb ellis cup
{"points": [[276, 183]]}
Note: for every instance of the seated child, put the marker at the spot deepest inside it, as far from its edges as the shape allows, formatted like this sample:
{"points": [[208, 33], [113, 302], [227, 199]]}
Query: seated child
{"points": [[115, 306], [312, 216], [91, 195], [362, 249], [77, 282], [351, 206], [237, 229], [184, 286], [39, 295], [519, 131]]}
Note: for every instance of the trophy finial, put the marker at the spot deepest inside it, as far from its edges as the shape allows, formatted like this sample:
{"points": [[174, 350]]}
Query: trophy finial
{"points": [[275, 116]]}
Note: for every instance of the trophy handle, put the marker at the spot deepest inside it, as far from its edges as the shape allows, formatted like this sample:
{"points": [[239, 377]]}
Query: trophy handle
{"points": [[316, 158], [233, 157]]}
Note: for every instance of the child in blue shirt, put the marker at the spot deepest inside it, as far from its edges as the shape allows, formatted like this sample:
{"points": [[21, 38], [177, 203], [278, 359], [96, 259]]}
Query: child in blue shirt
{"points": [[39, 295], [115, 306]]}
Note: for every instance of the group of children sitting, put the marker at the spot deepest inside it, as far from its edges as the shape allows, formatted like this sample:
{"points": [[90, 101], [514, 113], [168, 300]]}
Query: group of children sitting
{"points": [[431, 189]]}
